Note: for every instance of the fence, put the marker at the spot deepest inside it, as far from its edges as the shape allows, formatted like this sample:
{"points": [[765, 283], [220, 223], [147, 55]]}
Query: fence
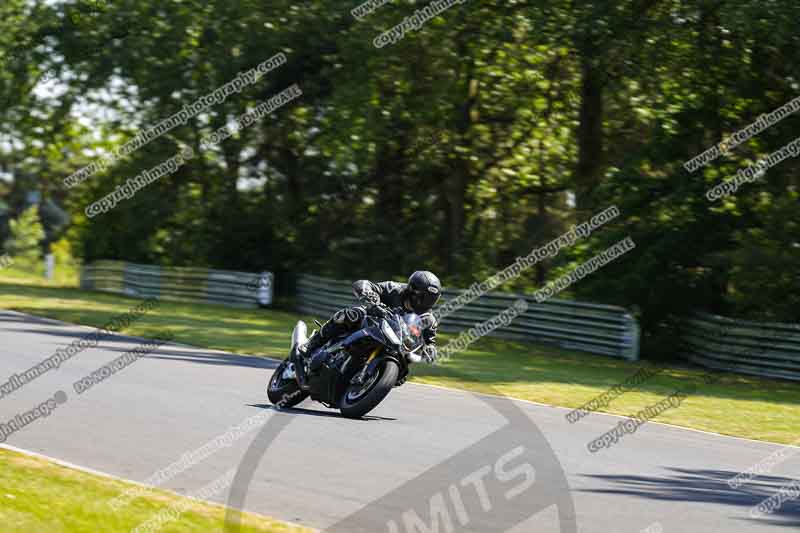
{"points": [[758, 348], [593, 328], [225, 287]]}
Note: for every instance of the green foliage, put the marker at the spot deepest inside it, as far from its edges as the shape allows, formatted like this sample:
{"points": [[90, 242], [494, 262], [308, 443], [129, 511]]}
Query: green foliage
{"points": [[456, 149], [24, 243]]}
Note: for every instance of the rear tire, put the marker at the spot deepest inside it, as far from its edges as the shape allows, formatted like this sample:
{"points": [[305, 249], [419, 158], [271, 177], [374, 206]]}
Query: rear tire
{"points": [[282, 392], [370, 400]]}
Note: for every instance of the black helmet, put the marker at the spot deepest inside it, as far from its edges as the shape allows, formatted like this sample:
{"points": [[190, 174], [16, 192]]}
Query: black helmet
{"points": [[424, 290]]}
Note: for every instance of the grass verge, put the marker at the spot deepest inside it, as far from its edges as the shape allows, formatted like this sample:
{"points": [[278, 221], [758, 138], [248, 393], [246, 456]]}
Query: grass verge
{"points": [[742, 406], [37, 495]]}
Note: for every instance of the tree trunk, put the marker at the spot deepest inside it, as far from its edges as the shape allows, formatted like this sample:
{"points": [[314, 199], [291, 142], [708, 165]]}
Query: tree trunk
{"points": [[589, 170]]}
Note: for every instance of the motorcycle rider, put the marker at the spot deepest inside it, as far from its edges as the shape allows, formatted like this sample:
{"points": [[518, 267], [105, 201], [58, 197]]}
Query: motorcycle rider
{"points": [[418, 295]]}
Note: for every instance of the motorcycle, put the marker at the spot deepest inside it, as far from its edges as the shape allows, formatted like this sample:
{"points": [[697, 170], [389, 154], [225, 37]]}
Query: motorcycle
{"points": [[353, 372]]}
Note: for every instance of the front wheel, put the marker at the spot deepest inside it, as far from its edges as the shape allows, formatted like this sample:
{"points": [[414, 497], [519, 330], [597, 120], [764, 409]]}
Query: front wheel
{"points": [[283, 390], [359, 400]]}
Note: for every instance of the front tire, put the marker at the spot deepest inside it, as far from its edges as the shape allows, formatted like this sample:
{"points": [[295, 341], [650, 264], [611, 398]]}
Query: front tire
{"points": [[357, 402], [284, 392]]}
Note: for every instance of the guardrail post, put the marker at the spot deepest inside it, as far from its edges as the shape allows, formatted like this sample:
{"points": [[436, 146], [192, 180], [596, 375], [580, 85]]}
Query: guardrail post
{"points": [[631, 339], [264, 289]]}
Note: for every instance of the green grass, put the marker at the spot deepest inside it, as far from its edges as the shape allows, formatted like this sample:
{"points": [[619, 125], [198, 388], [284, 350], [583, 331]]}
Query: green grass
{"points": [[39, 496], [737, 405], [64, 275]]}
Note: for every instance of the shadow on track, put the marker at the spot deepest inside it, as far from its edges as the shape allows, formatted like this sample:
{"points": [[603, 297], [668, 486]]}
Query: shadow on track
{"points": [[311, 412], [703, 485]]}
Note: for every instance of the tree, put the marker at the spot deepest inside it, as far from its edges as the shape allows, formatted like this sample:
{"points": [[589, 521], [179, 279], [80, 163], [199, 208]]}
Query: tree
{"points": [[27, 233]]}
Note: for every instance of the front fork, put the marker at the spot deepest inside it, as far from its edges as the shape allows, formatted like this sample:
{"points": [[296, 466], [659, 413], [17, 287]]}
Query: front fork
{"points": [[299, 369], [358, 379]]}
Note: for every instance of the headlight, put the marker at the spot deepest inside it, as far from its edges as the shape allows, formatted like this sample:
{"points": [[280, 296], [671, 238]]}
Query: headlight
{"points": [[389, 333]]}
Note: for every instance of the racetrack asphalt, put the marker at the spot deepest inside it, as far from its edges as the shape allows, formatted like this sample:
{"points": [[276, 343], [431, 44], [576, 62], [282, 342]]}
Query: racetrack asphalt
{"points": [[323, 471]]}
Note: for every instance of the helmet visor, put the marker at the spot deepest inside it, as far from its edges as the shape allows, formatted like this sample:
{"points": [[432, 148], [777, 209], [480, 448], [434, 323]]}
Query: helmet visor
{"points": [[424, 299]]}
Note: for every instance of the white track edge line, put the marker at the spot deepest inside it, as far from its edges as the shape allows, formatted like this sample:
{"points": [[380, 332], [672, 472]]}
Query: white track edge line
{"points": [[605, 414], [73, 466]]}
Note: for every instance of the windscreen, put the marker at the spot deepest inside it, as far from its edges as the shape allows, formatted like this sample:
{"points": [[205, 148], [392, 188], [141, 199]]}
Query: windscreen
{"points": [[412, 331]]}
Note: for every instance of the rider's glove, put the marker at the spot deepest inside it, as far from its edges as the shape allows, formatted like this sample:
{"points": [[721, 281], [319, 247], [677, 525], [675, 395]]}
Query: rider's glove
{"points": [[429, 353], [370, 298], [380, 310]]}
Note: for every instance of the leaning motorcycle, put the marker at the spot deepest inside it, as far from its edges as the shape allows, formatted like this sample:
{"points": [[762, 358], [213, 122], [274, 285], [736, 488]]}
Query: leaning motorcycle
{"points": [[353, 372]]}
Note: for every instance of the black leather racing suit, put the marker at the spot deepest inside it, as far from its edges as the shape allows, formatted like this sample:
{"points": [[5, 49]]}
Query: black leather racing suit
{"points": [[389, 293]]}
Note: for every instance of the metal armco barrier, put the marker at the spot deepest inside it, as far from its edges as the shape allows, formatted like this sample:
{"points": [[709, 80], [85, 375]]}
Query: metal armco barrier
{"points": [[757, 348], [593, 328], [224, 287]]}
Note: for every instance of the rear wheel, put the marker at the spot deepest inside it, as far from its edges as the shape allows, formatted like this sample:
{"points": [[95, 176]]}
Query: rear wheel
{"points": [[360, 399], [283, 390]]}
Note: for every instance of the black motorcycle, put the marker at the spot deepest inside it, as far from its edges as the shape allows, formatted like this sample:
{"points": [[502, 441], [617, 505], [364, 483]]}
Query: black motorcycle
{"points": [[353, 372]]}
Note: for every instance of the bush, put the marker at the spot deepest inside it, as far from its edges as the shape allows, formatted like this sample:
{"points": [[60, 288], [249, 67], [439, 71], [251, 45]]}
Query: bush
{"points": [[26, 235]]}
